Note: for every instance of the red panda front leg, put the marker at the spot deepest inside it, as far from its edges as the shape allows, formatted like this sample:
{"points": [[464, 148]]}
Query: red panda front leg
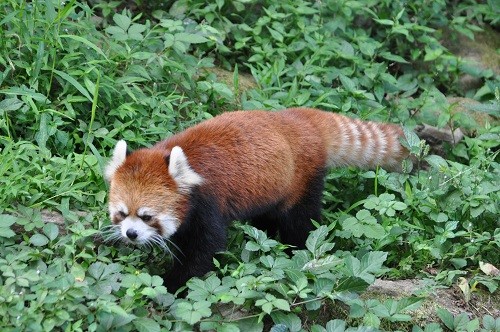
{"points": [[196, 241]]}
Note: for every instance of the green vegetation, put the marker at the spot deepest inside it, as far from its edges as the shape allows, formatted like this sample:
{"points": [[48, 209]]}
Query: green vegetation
{"points": [[76, 76]]}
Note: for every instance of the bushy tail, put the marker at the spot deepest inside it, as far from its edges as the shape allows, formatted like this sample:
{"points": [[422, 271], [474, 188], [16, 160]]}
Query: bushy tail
{"points": [[365, 144]]}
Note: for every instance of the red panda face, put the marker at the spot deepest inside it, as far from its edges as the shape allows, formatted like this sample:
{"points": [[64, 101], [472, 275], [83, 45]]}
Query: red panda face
{"points": [[148, 197]]}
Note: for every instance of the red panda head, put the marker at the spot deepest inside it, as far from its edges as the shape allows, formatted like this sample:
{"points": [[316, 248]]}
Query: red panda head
{"points": [[148, 193]]}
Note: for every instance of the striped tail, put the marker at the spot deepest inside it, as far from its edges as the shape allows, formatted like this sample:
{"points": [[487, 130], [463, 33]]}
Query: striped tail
{"points": [[365, 144]]}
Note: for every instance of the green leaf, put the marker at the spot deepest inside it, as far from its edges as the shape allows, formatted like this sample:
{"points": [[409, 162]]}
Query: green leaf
{"points": [[370, 263], [316, 238], [412, 141], [281, 304], [73, 82], [436, 161], [227, 327], [252, 324], [279, 328], [24, 91], [351, 284], [144, 324], [290, 321], [336, 325], [51, 230], [267, 307], [190, 38], [373, 261], [252, 246], [39, 240], [368, 48], [371, 319], [275, 34], [122, 21], [184, 311], [384, 21], [348, 84], [136, 29], [11, 104], [446, 317], [393, 57], [345, 49], [409, 303], [7, 220], [6, 232], [432, 54], [86, 42], [491, 324]]}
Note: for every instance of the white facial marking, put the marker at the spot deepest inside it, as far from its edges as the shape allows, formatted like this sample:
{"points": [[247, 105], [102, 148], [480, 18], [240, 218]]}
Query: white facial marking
{"points": [[145, 211], [119, 207], [143, 231], [169, 224], [181, 171], [118, 158]]}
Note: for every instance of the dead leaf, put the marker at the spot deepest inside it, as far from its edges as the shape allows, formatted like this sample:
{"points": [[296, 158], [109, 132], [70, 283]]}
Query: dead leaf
{"points": [[463, 284], [489, 269]]}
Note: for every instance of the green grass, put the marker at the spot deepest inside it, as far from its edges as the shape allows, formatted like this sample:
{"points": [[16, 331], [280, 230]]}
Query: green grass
{"points": [[77, 76]]}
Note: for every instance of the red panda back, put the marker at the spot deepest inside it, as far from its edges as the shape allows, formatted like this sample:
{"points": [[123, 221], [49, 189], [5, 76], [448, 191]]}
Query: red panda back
{"points": [[253, 157]]}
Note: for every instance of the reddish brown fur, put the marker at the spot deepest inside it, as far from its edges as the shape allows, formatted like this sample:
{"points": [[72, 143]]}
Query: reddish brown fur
{"points": [[267, 147], [264, 166], [264, 146], [143, 181]]}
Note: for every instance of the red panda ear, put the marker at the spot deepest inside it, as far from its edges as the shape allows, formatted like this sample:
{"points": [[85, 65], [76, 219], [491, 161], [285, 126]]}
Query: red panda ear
{"points": [[180, 170], [120, 152]]}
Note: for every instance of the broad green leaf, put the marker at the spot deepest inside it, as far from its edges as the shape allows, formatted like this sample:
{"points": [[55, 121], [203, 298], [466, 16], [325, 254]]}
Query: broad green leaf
{"points": [[351, 284], [291, 321], [251, 324], [6, 232], [122, 21], [371, 319], [279, 328], [316, 238], [11, 104], [51, 230], [446, 317], [348, 84], [336, 325], [190, 38], [39, 240], [281, 304], [275, 34], [393, 57], [7, 220]]}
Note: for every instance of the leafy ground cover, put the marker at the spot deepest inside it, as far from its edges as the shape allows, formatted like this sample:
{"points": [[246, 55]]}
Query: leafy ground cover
{"points": [[76, 76]]}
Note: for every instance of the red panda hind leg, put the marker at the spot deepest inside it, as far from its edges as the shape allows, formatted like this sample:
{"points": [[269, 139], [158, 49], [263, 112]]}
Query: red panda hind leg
{"points": [[294, 222]]}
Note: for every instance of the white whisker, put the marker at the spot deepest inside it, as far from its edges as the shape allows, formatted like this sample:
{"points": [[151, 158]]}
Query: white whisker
{"points": [[110, 233]]}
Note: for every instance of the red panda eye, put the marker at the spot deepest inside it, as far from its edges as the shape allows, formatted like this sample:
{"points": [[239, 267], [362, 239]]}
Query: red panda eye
{"points": [[122, 214], [146, 218]]}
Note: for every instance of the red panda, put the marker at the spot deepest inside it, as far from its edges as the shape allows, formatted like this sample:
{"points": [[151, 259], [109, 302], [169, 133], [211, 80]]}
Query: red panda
{"points": [[268, 167]]}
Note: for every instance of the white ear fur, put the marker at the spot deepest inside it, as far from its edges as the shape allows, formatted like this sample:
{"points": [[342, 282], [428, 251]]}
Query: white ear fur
{"points": [[118, 158], [181, 172]]}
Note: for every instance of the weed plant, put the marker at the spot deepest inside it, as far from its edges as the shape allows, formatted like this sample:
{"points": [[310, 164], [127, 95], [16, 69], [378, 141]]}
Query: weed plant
{"points": [[77, 76]]}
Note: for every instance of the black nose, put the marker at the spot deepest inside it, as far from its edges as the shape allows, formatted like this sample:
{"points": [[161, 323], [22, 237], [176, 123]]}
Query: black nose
{"points": [[131, 234]]}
